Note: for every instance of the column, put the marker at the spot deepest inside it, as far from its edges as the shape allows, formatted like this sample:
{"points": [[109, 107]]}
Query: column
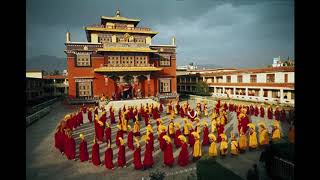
{"points": [[203, 79], [135, 85], [215, 89], [269, 94], [246, 91], [281, 95], [234, 91], [223, 90], [148, 81]]}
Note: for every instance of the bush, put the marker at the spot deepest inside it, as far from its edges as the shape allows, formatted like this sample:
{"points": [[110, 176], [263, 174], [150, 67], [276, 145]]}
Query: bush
{"points": [[157, 175], [208, 168]]}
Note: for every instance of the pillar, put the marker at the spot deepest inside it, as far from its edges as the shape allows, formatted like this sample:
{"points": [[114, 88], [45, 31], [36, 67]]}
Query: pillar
{"points": [[289, 95], [215, 89], [234, 91], [269, 94], [281, 95], [203, 79], [246, 91], [148, 81], [223, 90]]}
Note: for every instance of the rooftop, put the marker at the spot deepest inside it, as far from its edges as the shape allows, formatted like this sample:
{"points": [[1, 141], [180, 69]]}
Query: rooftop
{"points": [[55, 77]]}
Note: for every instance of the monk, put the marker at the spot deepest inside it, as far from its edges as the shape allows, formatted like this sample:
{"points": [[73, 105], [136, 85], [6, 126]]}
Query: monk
{"points": [[161, 108], [112, 118], [283, 117], [124, 121], [256, 110], [100, 130], [183, 158], [192, 114], [136, 128], [186, 127], [90, 115], [168, 153], [213, 147], [71, 146], [234, 149], [242, 141], [80, 117], [162, 142], [177, 141], [108, 132], [121, 154], [130, 138], [148, 158], [58, 138], [270, 113], [253, 142], [220, 130], [277, 114], [191, 136], [197, 152], [171, 129], [108, 157], [137, 155], [205, 141], [263, 135], [150, 137], [244, 120], [261, 111], [223, 145], [96, 110], [276, 135], [119, 134], [95, 153], [181, 112], [83, 149]]}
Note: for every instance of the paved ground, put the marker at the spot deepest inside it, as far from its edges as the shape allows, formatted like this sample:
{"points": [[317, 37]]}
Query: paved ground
{"points": [[43, 161]]}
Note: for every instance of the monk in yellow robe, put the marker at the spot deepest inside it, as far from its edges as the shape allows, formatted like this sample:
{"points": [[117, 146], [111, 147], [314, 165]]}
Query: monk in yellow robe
{"points": [[234, 145], [263, 135], [213, 125], [197, 151], [253, 142], [171, 129], [213, 147], [276, 134], [185, 127], [136, 128], [124, 122], [223, 145], [242, 141], [206, 113]]}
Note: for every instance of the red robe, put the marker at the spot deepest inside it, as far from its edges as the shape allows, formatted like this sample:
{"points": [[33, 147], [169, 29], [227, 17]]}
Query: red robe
{"points": [[244, 123], [161, 108], [103, 118], [192, 115], [283, 115], [130, 140], [108, 157], [108, 134], [182, 112], [270, 113], [119, 134], [58, 141], [220, 129], [95, 157], [96, 111], [148, 158], [262, 112], [183, 158], [251, 110], [177, 141], [121, 156], [256, 111], [277, 115], [162, 142], [168, 155], [146, 119], [137, 159], [151, 141], [205, 136], [90, 116], [80, 118], [83, 151], [112, 118], [191, 138], [71, 146], [99, 132]]}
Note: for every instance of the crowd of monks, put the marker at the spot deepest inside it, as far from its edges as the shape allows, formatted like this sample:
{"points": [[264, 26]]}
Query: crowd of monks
{"points": [[193, 134]]}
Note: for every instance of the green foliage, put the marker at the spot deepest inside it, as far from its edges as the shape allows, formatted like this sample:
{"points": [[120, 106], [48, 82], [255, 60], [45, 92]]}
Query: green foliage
{"points": [[208, 168], [157, 175], [202, 89]]}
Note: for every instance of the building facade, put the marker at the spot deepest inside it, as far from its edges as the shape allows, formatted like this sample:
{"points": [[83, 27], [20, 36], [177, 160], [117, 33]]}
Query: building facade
{"points": [[273, 85], [34, 85], [56, 85], [119, 61]]}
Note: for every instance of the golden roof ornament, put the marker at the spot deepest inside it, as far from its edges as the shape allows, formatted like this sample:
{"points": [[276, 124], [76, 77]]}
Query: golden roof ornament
{"points": [[118, 13]]}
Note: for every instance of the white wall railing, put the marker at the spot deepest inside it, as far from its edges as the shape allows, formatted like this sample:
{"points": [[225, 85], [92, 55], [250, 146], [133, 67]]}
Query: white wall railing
{"points": [[38, 115]]}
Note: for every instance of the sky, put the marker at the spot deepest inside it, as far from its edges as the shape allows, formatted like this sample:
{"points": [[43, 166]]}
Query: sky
{"points": [[227, 33]]}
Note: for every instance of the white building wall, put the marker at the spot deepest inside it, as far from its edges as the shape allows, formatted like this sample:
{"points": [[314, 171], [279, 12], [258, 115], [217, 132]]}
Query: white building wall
{"points": [[261, 78], [290, 77], [224, 79], [233, 78], [245, 78], [279, 77]]}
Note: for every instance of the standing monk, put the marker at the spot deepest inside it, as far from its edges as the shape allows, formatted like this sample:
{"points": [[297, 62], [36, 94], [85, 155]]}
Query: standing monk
{"points": [[223, 145], [119, 134], [71, 146], [276, 135], [253, 142], [108, 132], [197, 152], [168, 153], [58, 138], [234, 149], [177, 141], [100, 131], [183, 158], [90, 115], [270, 112], [171, 129], [108, 157], [263, 135], [277, 114], [95, 153], [130, 138], [83, 150], [137, 155], [136, 128], [261, 111], [242, 141], [112, 118], [213, 147], [205, 141], [121, 154], [148, 158], [256, 110]]}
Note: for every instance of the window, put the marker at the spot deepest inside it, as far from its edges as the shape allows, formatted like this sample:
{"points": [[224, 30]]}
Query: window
{"points": [[275, 94], [253, 78], [240, 79], [83, 60], [286, 78], [165, 85], [165, 61], [265, 93], [228, 79], [270, 78], [84, 89]]}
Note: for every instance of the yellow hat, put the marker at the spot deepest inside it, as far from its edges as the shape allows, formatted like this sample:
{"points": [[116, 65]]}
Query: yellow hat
{"points": [[121, 140], [252, 126], [67, 117], [129, 127], [177, 125], [262, 125], [182, 138], [197, 119], [185, 119], [103, 112], [149, 128], [167, 138], [223, 136], [163, 128], [145, 138], [205, 123], [212, 137], [137, 141], [81, 136], [118, 126]]}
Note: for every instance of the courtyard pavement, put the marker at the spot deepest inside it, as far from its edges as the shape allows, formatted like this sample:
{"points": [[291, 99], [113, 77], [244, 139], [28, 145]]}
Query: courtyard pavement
{"points": [[43, 161]]}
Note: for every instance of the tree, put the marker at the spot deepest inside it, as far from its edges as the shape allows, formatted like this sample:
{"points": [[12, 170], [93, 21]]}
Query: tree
{"points": [[202, 88]]}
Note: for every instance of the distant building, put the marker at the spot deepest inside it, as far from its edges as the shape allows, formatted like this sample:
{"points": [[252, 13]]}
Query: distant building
{"points": [[278, 62], [34, 85], [56, 85]]}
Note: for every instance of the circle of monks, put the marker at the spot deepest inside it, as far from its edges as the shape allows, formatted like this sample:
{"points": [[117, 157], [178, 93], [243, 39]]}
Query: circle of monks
{"points": [[184, 137]]}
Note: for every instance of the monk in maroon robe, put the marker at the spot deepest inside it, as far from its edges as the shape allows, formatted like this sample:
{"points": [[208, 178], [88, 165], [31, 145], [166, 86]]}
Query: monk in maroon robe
{"points": [[95, 157], [205, 141], [177, 141], [80, 118], [148, 157], [71, 146], [130, 138], [183, 158], [277, 114], [191, 138], [283, 115], [90, 115], [151, 141], [162, 142], [119, 134], [137, 158], [220, 130], [108, 132], [83, 149], [168, 153], [270, 113], [100, 131], [108, 157], [161, 108], [262, 111], [182, 112], [121, 154], [58, 138]]}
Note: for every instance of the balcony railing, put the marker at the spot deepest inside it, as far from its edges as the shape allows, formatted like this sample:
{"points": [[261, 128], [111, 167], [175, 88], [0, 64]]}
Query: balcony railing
{"points": [[127, 65], [129, 44], [119, 27]]}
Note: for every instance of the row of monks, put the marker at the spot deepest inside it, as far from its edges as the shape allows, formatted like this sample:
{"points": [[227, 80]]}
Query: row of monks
{"points": [[188, 136]]}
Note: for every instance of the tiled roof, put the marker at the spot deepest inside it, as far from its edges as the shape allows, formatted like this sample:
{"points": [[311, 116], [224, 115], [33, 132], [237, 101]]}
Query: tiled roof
{"points": [[55, 77]]}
